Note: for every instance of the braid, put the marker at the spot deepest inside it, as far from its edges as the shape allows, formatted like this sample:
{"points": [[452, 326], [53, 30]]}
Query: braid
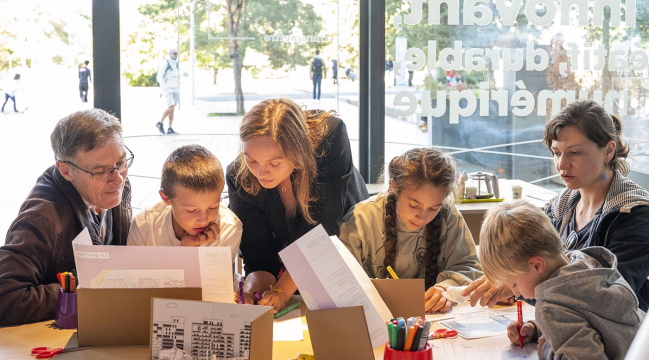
{"points": [[390, 244], [433, 246]]}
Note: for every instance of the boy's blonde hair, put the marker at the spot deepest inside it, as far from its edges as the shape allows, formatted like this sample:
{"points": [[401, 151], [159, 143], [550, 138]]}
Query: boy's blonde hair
{"points": [[193, 167], [511, 234]]}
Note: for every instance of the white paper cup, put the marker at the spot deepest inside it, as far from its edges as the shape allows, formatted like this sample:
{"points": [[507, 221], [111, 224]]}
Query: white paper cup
{"points": [[517, 192], [471, 192]]}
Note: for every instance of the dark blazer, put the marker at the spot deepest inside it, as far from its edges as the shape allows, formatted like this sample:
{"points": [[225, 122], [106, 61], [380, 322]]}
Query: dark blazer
{"points": [[39, 245], [266, 231]]}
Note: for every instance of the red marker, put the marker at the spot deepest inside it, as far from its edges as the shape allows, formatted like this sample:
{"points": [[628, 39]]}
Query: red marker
{"points": [[519, 305]]}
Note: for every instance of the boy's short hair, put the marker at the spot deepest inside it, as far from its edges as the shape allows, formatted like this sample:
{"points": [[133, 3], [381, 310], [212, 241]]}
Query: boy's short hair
{"points": [[511, 234], [193, 167]]}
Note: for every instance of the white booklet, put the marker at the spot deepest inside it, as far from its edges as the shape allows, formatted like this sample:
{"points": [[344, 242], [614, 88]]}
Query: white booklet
{"points": [[328, 277], [106, 266]]}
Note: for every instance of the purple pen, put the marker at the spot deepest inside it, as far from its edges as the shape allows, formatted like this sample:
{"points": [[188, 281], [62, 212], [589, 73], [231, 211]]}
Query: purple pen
{"points": [[257, 296], [241, 293]]}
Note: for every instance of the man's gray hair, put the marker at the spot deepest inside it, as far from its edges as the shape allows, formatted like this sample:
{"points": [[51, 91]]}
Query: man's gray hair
{"points": [[83, 131]]}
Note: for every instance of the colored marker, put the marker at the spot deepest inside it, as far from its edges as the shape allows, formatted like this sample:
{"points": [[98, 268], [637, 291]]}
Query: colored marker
{"points": [[241, 301], [392, 273], [415, 342], [519, 305], [411, 337], [257, 296], [401, 338], [286, 310], [424, 335]]}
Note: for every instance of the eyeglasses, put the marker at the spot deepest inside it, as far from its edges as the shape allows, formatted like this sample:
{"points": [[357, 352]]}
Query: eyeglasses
{"points": [[104, 174]]}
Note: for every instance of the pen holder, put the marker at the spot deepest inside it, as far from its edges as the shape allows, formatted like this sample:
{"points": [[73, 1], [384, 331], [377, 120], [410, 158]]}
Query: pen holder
{"points": [[66, 310], [391, 354]]}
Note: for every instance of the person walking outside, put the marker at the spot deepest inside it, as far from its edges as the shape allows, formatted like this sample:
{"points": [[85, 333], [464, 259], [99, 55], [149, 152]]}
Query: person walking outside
{"points": [[318, 71], [168, 80], [335, 70], [10, 92], [84, 78]]}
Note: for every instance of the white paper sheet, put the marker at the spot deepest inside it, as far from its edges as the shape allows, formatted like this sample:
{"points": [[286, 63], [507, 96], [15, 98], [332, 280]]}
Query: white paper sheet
{"points": [[494, 348], [214, 261], [288, 327], [104, 266], [141, 279], [206, 328], [491, 322], [465, 311], [329, 277]]}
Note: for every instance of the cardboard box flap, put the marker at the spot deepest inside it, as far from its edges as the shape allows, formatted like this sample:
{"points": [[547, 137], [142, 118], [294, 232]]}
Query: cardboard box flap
{"points": [[121, 317], [261, 337], [404, 297], [340, 334]]}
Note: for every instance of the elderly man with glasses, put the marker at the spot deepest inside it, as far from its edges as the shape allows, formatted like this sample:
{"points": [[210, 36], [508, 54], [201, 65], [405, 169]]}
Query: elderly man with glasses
{"points": [[86, 188]]}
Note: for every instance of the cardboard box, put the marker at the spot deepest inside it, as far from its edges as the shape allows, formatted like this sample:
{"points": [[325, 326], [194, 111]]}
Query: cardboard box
{"points": [[261, 330], [121, 317], [404, 297], [340, 334]]}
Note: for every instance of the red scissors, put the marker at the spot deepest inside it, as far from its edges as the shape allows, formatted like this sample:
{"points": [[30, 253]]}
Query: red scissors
{"points": [[443, 334], [45, 352]]}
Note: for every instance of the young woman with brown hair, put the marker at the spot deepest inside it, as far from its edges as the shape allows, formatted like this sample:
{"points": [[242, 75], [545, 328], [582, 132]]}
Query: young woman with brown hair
{"points": [[295, 171], [414, 229]]}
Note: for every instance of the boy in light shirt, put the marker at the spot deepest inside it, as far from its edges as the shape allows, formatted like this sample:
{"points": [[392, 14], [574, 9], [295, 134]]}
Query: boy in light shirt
{"points": [[190, 213]]}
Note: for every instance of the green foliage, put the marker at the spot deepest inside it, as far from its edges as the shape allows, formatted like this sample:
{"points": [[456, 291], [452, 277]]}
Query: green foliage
{"points": [[431, 85], [259, 18], [140, 79]]}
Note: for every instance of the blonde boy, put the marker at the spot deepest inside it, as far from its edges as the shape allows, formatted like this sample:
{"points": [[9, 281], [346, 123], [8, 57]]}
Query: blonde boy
{"points": [[190, 213], [584, 308]]}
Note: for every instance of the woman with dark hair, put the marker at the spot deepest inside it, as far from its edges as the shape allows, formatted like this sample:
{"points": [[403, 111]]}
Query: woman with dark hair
{"points": [[295, 171], [600, 206], [414, 228]]}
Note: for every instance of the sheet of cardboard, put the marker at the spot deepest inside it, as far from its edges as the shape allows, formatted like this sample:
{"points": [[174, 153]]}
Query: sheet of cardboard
{"points": [[261, 333], [339, 334], [261, 337], [120, 317], [404, 297]]}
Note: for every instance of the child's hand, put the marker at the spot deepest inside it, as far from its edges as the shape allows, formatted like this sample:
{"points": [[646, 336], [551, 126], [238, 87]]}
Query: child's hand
{"points": [[247, 298], [208, 235], [528, 331], [435, 301], [539, 348], [274, 299], [485, 292], [212, 231], [197, 240]]}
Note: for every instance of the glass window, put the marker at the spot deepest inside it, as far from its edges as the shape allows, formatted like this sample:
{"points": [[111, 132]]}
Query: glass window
{"points": [[46, 43], [253, 51], [480, 80]]}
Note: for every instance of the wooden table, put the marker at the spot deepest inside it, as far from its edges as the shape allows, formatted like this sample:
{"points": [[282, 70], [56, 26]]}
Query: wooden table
{"points": [[16, 343]]}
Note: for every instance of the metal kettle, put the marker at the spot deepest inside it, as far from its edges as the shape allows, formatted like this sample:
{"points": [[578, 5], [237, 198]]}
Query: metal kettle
{"points": [[488, 189]]}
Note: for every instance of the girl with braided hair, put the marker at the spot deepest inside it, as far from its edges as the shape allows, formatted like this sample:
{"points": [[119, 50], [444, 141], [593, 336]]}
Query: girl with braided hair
{"points": [[413, 228]]}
